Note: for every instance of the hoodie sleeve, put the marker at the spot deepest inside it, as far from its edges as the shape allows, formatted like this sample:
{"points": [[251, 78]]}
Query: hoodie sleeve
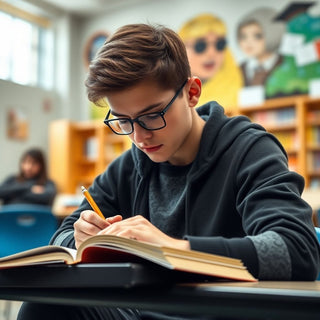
{"points": [[11, 187], [279, 241], [44, 198], [276, 219]]}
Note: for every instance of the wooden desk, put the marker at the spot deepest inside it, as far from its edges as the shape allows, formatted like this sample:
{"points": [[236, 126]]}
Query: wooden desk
{"points": [[65, 204], [237, 300], [300, 301]]}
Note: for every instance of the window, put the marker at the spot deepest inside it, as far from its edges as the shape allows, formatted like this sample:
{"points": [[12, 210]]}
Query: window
{"points": [[26, 55]]}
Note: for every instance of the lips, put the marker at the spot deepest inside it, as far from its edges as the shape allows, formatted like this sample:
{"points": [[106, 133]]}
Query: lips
{"points": [[152, 149], [209, 65]]}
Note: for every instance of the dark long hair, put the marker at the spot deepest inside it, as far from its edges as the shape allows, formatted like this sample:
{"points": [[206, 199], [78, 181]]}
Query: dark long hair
{"points": [[37, 155]]}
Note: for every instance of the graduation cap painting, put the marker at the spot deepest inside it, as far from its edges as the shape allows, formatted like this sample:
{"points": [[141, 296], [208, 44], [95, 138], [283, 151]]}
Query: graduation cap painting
{"points": [[294, 9], [300, 50]]}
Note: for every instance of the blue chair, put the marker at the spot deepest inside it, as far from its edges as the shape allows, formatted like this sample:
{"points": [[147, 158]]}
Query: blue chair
{"points": [[318, 236], [25, 226]]}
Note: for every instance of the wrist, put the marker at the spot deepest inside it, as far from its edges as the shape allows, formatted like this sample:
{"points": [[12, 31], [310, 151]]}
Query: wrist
{"points": [[182, 244]]}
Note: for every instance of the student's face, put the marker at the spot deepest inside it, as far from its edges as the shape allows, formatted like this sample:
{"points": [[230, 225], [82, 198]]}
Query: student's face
{"points": [[252, 41], [30, 167], [168, 143], [206, 63]]}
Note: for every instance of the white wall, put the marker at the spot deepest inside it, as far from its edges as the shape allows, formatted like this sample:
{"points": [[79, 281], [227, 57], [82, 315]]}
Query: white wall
{"points": [[39, 107], [69, 97], [64, 99], [68, 67]]}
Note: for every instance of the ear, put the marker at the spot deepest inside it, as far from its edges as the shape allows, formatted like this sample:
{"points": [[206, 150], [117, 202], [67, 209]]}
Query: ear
{"points": [[194, 85]]}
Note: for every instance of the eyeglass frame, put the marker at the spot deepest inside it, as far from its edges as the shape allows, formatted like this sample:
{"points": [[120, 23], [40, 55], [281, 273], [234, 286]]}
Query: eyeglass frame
{"points": [[132, 121]]}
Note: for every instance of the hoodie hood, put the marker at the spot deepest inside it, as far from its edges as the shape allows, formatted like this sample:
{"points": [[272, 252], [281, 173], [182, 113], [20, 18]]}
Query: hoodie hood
{"points": [[220, 132], [218, 128]]}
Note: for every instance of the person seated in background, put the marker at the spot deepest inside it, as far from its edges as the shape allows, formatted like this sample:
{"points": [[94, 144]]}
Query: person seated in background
{"points": [[31, 184]]}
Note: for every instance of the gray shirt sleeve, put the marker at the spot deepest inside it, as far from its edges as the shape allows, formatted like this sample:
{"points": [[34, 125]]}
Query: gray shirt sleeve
{"points": [[273, 256]]}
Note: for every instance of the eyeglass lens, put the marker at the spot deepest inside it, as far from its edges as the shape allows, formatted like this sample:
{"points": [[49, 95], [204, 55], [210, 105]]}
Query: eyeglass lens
{"points": [[121, 125], [201, 45], [151, 121]]}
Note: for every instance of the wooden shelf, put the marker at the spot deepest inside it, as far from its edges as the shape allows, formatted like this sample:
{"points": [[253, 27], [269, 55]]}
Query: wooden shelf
{"points": [[313, 147], [296, 134], [79, 151], [280, 127]]}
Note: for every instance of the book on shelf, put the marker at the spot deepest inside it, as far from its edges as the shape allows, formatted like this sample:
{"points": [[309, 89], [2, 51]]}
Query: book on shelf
{"points": [[280, 117], [289, 140], [91, 148], [113, 249], [315, 183], [313, 161], [313, 115], [313, 136]]}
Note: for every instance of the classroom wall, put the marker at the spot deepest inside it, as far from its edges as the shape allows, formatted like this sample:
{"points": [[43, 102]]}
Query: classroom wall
{"points": [[174, 13], [38, 107], [68, 99]]}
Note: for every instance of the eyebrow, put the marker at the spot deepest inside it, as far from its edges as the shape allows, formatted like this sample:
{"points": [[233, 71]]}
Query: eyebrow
{"points": [[145, 110]]}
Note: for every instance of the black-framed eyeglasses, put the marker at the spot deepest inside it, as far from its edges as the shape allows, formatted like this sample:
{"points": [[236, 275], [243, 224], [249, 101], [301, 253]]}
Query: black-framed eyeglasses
{"points": [[149, 121], [201, 45]]}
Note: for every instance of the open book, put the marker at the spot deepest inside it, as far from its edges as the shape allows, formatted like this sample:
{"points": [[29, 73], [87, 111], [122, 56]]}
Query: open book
{"points": [[112, 249]]}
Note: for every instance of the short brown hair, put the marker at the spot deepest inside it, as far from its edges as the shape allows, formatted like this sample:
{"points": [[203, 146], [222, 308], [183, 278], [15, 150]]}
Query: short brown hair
{"points": [[134, 53]]}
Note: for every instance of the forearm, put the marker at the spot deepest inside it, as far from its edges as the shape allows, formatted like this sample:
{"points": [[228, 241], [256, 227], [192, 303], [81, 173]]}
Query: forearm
{"points": [[44, 196], [9, 191]]}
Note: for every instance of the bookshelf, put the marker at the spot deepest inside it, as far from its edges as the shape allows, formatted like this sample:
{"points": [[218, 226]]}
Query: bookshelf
{"points": [[313, 142], [295, 121], [79, 151]]}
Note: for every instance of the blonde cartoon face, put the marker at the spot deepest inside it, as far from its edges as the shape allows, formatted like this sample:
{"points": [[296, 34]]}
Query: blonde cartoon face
{"points": [[206, 55], [252, 40]]}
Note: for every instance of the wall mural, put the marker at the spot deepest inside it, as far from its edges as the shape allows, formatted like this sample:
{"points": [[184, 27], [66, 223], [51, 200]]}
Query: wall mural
{"points": [[259, 38], [281, 49], [94, 43], [300, 48], [205, 37]]}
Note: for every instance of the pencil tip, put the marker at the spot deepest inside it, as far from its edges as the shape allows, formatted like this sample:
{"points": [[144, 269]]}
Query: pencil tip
{"points": [[83, 188]]}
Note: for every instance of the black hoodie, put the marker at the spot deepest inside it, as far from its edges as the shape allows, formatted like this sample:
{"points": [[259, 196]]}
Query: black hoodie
{"points": [[241, 200]]}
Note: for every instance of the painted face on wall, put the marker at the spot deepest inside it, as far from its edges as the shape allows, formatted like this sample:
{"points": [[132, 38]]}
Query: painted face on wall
{"points": [[206, 55], [252, 41]]}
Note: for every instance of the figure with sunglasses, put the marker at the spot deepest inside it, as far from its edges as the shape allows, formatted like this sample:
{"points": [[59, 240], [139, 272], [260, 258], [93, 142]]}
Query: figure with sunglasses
{"points": [[212, 61], [259, 37], [193, 179]]}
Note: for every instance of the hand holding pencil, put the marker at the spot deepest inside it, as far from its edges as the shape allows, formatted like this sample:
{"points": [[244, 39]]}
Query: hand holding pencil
{"points": [[89, 224], [92, 203]]}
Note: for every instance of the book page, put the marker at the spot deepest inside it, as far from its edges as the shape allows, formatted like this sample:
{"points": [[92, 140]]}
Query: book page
{"points": [[210, 269], [42, 254]]}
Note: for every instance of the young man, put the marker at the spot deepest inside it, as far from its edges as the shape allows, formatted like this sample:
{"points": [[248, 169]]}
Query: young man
{"points": [[194, 178]]}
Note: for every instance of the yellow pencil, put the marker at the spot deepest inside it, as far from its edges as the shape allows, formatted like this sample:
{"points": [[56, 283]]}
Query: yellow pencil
{"points": [[92, 202]]}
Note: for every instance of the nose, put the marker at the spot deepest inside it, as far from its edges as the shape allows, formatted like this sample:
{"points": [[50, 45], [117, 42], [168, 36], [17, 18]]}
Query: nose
{"points": [[140, 134], [211, 48]]}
